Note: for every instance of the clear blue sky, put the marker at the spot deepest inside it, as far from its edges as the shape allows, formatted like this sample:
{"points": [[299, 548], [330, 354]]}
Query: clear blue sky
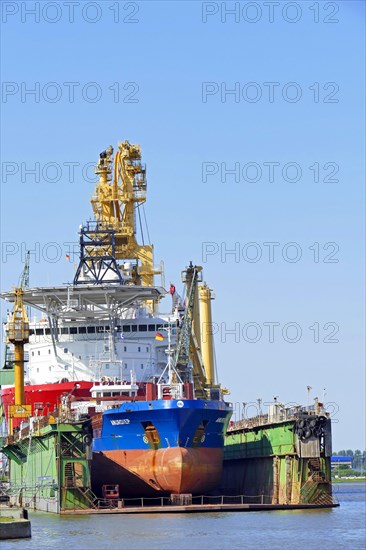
{"points": [[169, 52]]}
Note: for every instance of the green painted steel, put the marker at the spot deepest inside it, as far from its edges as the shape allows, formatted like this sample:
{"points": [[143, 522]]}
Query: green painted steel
{"points": [[262, 441], [49, 469], [265, 463]]}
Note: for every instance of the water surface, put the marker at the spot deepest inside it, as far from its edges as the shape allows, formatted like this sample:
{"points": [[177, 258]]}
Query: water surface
{"points": [[342, 527]]}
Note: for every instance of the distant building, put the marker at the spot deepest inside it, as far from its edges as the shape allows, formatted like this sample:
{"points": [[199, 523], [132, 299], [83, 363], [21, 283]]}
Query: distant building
{"points": [[341, 461]]}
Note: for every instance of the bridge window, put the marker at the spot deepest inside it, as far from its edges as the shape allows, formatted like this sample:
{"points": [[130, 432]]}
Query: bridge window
{"points": [[91, 330], [124, 348], [152, 328], [126, 328], [82, 330], [64, 330], [134, 328], [73, 330], [139, 349], [143, 328], [39, 331]]}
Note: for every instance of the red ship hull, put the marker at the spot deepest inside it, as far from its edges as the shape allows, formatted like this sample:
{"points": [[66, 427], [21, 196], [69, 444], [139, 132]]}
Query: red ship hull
{"points": [[44, 398], [158, 472]]}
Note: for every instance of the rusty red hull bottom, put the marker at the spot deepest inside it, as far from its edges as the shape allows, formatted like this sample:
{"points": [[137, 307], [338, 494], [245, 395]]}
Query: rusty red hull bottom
{"points": [[158, 472]]}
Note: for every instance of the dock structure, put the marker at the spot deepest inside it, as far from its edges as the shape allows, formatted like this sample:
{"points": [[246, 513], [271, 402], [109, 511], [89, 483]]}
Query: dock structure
{"points": [[284, 455], [50, 466], [201, 508], [271, 462]]}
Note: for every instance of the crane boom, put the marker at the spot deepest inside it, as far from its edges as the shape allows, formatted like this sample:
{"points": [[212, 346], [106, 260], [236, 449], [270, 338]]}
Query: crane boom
{"points": [[24, 276]]}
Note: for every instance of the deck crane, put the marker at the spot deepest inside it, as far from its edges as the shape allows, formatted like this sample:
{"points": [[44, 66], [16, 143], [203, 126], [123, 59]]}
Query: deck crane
{"points": [[111, 236], [18, 335], [24, 284], [190, 345]]}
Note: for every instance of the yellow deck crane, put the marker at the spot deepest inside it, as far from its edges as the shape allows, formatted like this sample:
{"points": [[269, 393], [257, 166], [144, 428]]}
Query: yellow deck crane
{"points": [[111, 236], [195, 337], [18, 335]]}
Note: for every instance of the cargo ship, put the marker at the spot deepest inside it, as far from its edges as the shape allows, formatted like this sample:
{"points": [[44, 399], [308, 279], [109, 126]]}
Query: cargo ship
{"points": [[100, 350]]}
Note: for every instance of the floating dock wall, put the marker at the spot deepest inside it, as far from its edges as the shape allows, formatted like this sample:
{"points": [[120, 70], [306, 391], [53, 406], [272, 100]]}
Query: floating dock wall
{"points": [[269, 464], [49, 469]]}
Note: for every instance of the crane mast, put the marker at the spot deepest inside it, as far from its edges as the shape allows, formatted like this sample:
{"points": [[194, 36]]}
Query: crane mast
{"points": [[18, 335]]}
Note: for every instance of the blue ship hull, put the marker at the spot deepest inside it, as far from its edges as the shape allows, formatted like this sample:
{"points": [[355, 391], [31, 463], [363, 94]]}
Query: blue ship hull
{"points": [[162, 446]]}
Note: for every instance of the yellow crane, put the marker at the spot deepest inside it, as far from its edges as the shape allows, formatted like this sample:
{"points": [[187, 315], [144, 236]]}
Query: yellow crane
{"points": [[18, 335], [116, 198]]}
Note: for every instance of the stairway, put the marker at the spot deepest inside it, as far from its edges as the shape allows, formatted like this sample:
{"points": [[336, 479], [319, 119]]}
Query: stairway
{"points": [[316, 490], [89, 496], [315, 463], [69, 475], [308, 490]]}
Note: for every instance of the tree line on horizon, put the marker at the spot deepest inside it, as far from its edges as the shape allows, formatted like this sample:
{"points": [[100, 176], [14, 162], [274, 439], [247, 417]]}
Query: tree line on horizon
{"points": [[358, 457]]}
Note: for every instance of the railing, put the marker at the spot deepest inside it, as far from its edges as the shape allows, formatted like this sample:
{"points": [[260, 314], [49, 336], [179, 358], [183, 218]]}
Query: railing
{"points": [[284, 415], [220, 500]]}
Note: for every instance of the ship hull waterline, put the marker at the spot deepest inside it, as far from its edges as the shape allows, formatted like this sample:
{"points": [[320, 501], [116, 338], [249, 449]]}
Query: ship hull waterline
{"points": [[160, 472]]}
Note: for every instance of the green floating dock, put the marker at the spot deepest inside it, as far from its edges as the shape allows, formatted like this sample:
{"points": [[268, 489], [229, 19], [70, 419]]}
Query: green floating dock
{"points": [[268, 465]]}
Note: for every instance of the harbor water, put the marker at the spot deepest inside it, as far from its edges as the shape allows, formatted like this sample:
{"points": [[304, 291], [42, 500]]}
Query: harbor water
{"points": [[342, 527]]}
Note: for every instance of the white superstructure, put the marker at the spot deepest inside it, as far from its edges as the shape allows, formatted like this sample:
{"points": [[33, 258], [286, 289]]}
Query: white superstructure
{"points": [[88, 332]]}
